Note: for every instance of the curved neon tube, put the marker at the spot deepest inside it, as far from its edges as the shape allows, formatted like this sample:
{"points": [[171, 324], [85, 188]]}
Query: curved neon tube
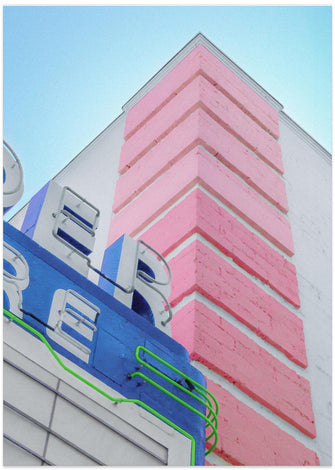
{"points": [[198, 387], [170, 366], [179, 400], [181, 387]]}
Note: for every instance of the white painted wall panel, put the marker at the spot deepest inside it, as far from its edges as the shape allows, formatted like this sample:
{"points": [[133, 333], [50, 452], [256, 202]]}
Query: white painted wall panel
{"points": [[29, 366], [14, 456], [93, 175], [17, 219], [60, 453], [97, 439], [26, 394], [123, 425], [24, 431], [308, 183]]}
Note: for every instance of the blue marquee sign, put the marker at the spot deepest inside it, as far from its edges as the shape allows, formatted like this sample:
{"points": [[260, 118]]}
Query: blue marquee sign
{"points": [[94, 330]]}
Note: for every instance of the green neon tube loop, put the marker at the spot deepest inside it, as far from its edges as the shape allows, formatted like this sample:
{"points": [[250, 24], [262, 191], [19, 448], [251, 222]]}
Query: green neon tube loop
{"points": [[99, 390], [198, 387], [181, 387], [191, 408], [174, 383], [170, 366], [188, 392]]}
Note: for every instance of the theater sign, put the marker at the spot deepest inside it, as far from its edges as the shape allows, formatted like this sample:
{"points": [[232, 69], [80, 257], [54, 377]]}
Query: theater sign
{"points": [[116, 331]]}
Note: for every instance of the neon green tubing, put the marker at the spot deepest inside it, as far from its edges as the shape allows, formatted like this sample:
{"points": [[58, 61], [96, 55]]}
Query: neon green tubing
{"points": [[181, 387], [213, 422], [99, 390], [188, 392], [170, 366], [179, 400], [199, 388]]}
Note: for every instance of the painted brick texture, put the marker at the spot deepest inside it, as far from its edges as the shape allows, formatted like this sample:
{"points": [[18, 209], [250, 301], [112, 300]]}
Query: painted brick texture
{"points": [[198, 213], [220, 346], [247, 438], [198, 269], [201, 93], [198, 166], [200, 129], [201, 62]]}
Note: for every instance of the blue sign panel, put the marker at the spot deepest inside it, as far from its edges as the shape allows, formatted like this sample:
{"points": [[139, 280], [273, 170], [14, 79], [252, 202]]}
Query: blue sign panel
{"points": [[94, 330]]}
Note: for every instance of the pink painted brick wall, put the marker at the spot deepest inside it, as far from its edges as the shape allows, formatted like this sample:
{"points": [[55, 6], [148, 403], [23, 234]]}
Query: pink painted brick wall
{"points": [[199, 269], [199, 213], [200, 129], [200, 102], [200, 167], [201, 93], [201, 61], [224, 349], [247, 438]]}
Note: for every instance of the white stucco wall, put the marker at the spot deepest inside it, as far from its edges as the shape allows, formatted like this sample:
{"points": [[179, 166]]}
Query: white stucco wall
{"points": [[93, 175], [308, 185]]}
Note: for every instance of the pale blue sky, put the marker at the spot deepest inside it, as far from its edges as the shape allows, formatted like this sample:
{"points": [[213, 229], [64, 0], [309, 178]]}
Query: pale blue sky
{"points": [[69, 70]]}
